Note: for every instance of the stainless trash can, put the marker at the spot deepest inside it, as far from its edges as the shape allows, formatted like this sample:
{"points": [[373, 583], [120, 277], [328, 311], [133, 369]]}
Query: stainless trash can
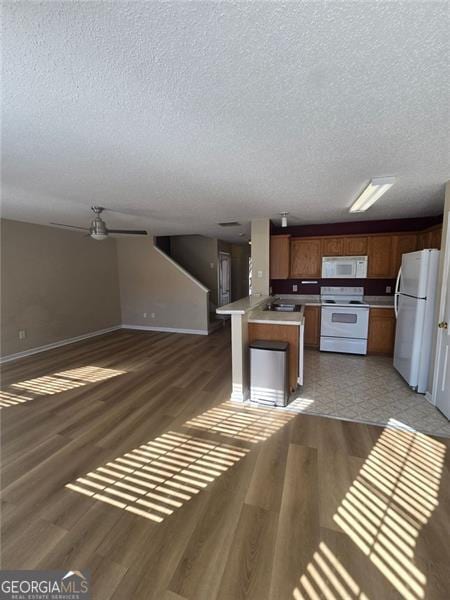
{"points": [[269, 372]]}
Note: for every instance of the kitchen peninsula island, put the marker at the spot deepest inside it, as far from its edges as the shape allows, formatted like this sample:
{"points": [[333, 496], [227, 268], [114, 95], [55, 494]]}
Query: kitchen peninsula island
{"points": [[252, 320]]}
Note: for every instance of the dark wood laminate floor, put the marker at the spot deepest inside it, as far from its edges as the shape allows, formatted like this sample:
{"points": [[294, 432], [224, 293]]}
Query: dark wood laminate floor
{"points": [[122, 455]]}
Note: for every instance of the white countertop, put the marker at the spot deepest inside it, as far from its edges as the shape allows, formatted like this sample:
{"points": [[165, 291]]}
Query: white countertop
{"points": [[242, 306], [314, 300], [252, 303], [272, 317], [304, 299], [379, 301]]}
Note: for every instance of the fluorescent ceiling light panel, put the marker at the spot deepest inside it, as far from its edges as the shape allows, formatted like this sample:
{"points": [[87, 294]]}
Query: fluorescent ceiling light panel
{"points": [[376, 188]]}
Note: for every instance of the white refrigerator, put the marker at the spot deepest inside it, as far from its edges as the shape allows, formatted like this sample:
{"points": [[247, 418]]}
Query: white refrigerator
{"points": [[415, 297]]}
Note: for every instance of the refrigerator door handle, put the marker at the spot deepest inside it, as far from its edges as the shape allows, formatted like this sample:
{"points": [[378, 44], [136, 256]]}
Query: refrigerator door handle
{"points": [[397, 283], [396, 294]]}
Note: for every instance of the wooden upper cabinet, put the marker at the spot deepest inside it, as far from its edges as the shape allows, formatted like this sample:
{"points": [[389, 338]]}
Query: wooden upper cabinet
{"points": [[380, 263], [423, 240], [402, 244], [332, 246], [279, 256], [302, 257], [430, 238], [355, 246], [435, 238], [306, 258]]}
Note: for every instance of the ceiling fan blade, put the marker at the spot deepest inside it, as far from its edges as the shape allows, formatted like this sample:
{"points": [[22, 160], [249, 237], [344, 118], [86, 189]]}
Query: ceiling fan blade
{"points": [[71, 226], [128, 231]]}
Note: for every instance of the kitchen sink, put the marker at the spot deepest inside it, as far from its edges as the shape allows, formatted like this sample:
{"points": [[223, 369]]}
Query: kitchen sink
{"points": [[283, 307]]}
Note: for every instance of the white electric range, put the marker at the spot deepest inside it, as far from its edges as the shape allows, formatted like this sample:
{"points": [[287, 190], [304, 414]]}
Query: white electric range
{"points": [[345, 320]]}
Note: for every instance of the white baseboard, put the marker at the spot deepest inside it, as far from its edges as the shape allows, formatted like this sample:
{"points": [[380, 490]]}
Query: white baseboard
{"points": [[239, 393], [78, 338], [10, 357], [166, 329]]}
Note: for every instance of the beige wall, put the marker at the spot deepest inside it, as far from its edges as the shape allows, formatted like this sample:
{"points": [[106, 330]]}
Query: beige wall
{"points": [[56, 284], [151, 283], [199, 256], [260, 256]]}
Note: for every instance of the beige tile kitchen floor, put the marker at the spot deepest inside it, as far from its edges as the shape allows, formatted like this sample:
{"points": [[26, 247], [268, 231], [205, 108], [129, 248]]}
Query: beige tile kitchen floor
{"points": [[365, 389]]}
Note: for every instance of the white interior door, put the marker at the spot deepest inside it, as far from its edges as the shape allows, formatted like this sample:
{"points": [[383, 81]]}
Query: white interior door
{"points": [[442, 373], [224, 278]]}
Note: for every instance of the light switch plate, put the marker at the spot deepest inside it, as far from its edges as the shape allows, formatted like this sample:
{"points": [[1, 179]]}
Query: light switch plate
{"points": [[260, 274], [295, 288]]}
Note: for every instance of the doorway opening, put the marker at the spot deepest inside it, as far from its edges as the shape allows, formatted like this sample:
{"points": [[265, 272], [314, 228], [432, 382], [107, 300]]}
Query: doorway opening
{"points": [[224, 278]]}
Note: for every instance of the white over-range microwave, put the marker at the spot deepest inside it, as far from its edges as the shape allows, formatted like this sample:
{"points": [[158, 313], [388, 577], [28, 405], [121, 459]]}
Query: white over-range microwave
{"points": [[344, 267]]}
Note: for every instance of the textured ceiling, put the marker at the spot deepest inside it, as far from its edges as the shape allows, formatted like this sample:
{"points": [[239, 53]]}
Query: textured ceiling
{"points": [[183, 114]]}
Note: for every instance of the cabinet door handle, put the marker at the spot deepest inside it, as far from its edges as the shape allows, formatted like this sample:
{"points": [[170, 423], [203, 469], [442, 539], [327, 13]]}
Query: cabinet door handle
{"points": [[443, 325]]}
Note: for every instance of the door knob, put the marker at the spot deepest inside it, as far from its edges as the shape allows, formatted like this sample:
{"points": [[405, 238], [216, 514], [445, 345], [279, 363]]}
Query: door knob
{"points": [[443, 325]]}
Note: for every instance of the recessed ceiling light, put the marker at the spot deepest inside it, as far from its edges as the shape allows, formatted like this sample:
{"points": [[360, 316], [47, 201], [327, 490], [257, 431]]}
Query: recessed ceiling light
{"points": [[376, 188]]}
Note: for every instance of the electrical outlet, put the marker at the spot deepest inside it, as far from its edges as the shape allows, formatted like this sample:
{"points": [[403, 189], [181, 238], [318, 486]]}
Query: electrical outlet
{"points": [[153, 315], [211, 265], [388, 289], [145, 315], [295, 288], [260, 274], [22, 334]]}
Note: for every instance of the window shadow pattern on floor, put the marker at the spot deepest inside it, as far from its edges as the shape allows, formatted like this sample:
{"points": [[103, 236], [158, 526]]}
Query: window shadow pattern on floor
{"points": [[252, 424], [48, 385], [383, 512], [158, 477]]}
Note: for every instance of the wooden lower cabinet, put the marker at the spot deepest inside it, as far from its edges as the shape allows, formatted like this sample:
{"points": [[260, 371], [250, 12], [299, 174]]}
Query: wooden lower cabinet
{"points": [[381, 331], [279, 333], [312, 326]]}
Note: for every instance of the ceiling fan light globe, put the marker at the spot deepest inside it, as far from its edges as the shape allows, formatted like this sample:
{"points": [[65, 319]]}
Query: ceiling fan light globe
{"points": [[99, 236]]}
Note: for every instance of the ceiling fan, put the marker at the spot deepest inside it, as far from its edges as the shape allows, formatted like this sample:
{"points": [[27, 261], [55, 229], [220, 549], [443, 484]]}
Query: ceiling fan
{"points": [[98, 229]]}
